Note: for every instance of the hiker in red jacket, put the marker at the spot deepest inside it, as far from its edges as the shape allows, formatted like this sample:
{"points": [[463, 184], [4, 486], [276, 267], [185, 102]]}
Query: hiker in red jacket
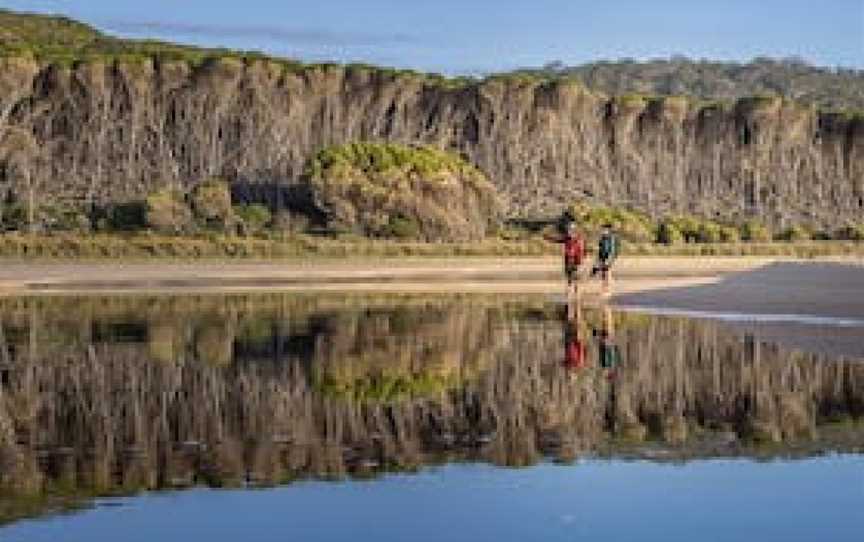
{"points": [[574, 254]]}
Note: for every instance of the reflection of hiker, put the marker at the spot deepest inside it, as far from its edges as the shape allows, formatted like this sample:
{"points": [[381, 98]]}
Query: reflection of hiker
{"points": [[574, 346], [574, 250], [607, 252], [609, 355]]}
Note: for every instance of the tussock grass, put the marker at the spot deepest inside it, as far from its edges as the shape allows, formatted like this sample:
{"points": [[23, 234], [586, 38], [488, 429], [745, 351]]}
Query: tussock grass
{"points": [[149, 246]]}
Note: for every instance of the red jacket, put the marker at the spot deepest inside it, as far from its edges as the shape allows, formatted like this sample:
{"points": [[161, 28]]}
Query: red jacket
{"points": [[574, 354], [574, 249]]}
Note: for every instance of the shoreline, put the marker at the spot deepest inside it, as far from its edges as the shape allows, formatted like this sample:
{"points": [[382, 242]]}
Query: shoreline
{"points": [[748, 288], [531, 275], [22, 276], [805, 305]]}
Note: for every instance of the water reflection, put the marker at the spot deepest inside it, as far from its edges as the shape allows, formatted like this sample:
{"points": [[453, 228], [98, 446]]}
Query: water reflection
{"points": [[111, 395]]}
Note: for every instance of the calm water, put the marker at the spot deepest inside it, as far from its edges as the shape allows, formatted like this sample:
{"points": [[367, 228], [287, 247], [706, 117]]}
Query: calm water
{"points": [[333, 417]]}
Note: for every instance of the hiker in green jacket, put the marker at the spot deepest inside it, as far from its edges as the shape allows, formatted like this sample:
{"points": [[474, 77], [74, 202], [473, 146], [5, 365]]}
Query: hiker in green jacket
{"points": [[607, 252]]}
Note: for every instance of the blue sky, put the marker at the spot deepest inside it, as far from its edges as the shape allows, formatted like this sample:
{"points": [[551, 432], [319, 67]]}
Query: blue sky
{"points": [[479, 36]]}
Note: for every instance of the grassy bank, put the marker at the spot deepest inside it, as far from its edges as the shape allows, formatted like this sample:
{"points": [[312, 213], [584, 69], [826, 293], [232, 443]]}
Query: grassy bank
{"points": [[149, 246]]}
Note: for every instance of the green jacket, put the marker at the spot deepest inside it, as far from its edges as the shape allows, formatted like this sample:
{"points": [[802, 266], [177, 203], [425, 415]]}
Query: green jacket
{"points": [[608, 247]]}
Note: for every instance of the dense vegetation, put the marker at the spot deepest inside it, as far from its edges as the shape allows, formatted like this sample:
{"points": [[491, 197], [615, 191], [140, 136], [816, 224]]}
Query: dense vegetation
{"points": [[840, 88], [638, 227], [370, 199], [387, 190], [370, 189], [65, 41]]}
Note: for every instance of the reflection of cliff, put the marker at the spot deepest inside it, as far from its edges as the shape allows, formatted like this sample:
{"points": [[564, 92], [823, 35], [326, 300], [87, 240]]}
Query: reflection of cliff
{"points": [[98, 417]]}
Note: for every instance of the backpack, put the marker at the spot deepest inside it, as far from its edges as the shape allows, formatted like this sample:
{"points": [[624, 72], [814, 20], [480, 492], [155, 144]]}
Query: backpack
{"points": [[608, 247], [564, 222]]}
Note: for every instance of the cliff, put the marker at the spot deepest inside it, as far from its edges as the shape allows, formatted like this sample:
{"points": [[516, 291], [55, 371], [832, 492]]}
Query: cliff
{"points": [[114, 127]]}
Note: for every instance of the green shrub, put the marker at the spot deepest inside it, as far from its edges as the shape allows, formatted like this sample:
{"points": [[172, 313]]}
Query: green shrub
{"points": [[368, 188], [167, 212], [794, 233], [631, 225], [211, 202], [14, 217], [709, 232], [689, 228], [755, 232], [669, 234], [401, 227], [253, 218], [729, 234], [129, 216]]}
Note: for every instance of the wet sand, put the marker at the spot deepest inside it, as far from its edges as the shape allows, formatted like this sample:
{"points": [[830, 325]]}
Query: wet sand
{"points": [[776, 292], [817, 306], [808, 307], [754, 286], [416, 274], [719, 285]]}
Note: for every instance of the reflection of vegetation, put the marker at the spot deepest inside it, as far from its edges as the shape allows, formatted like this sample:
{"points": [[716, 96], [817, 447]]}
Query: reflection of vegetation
{"points": [[389, 355], [385, 388], [266, 389]]}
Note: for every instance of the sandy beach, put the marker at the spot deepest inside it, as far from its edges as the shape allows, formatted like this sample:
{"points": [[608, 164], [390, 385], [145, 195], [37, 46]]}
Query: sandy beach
{"points": [[729, 285], [416, 274], [807, 305]]}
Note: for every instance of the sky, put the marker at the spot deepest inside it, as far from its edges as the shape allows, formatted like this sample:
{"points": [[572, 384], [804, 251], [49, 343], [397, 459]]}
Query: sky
{"points": [[483, 36]]}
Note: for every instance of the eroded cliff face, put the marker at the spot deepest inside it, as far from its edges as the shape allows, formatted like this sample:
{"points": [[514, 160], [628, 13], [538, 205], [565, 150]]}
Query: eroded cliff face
{"points": [[112, 132]]}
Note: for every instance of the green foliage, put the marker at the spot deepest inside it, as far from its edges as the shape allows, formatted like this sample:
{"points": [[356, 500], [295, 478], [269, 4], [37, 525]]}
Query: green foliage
{"points": [[400, 227], [629, 225], [211, 202], [389, 190], [669, 234], [754, 231], [794, 233], [13, 217], [167, 212], [149, 246], [693, 230], [384, 388], [709, 232], [65, 42], [253, 218], [729, 234], [385, 159], [63, 218], [129, 216], [827, 88]]}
